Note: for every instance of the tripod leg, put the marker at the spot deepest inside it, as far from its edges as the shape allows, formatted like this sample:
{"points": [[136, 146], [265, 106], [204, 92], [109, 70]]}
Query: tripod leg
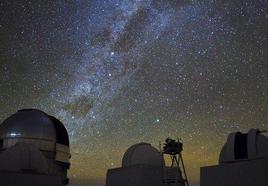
{"points": [[184, 171]]}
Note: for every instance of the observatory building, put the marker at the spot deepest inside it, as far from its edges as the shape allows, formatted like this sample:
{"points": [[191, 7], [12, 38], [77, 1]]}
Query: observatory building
{"points": [[34, 150], [144, 165], [243, 162]]}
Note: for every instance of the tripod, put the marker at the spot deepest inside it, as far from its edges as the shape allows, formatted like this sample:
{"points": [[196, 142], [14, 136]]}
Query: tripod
{"points": [[173, 149]]}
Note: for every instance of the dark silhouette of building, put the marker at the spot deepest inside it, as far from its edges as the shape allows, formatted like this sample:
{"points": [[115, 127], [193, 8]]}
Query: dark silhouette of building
{"points": [[243, 162], [34, 150], [144, 165]]}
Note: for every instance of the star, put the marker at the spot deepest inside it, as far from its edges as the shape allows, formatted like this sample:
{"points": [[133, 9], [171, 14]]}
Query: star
{"points": [[138, 71]]}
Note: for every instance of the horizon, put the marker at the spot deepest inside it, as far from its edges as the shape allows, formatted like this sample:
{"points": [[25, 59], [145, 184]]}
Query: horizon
{"points": [[121, 72]]}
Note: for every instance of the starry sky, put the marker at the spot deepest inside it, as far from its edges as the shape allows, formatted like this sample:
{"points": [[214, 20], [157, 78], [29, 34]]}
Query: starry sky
{"points": [[118, 72]]}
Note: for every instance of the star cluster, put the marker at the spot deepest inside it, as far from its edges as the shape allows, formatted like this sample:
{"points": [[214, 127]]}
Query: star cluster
{"points": [[118, 72]]}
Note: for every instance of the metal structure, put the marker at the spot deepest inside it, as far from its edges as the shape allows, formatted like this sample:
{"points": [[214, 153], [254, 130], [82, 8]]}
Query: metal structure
{"points": [[173, 149]]}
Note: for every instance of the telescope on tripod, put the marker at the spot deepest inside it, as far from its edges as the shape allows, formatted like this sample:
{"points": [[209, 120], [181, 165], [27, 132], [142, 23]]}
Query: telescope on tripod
{"points": [[173, 149]]}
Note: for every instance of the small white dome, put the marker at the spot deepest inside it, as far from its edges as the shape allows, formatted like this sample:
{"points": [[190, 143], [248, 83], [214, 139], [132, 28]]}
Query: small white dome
{"points": [[142, 154]]}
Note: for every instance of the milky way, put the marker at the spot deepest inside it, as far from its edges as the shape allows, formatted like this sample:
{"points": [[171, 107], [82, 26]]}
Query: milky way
{"points": [[120, 72]]}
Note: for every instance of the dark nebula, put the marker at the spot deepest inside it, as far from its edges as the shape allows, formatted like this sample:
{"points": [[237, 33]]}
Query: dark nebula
{"points": [[120, 72]]}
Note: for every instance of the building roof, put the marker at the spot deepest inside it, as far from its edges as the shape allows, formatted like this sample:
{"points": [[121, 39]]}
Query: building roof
{"points": [[142, 154], [34, 124], [241, 146]]}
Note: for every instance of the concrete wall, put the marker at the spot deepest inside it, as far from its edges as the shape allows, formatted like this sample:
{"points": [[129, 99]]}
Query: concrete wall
{"points": [[16, 179], [138, 175], [242, 173]]}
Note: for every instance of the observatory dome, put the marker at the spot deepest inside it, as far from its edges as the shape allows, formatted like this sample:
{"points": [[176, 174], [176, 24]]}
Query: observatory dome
{"points": [[33, 142], [239, 146], [32, 125], [21, 157], [142, 154]]}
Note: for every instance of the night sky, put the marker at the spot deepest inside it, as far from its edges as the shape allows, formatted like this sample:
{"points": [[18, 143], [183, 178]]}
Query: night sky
{"points": [[118, 72]]}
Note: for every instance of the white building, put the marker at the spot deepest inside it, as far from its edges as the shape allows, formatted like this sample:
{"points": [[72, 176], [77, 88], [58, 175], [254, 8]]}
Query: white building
{"points": [[143, 165], [243, 162]]}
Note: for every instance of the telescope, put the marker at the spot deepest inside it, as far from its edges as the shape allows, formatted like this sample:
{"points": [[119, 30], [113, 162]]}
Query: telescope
{"points": [[172, 147]]}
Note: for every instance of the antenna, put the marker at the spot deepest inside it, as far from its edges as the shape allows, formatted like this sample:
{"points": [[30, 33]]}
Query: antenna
{"points": [[173, 149]]}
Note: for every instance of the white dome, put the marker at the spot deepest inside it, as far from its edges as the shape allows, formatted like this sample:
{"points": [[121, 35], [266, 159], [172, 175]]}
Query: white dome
{"points": [[239, 146], [142, 154]]}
